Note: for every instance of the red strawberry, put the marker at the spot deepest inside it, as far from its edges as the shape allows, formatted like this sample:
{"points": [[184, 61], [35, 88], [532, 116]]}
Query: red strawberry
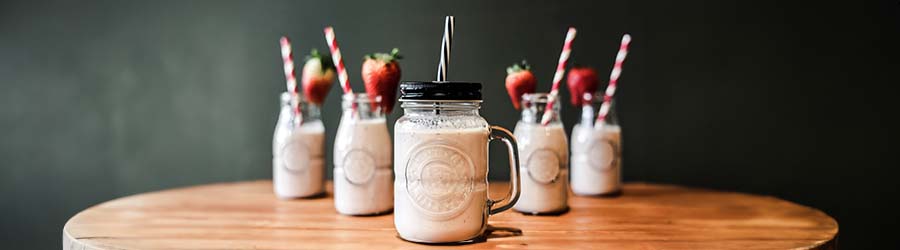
{"points": [[381, 74], [581, 80], [519, 80], [318, 74]]}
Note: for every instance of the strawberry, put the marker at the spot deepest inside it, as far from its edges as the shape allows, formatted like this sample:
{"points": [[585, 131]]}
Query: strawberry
{"points": [[519, 81], [318, 74], [381, 74], [581, 81]]}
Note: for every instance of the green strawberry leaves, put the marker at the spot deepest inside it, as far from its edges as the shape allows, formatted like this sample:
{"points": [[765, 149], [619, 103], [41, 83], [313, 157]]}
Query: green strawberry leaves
{"points": [[516, 67], [325, 59], [385, 57]]}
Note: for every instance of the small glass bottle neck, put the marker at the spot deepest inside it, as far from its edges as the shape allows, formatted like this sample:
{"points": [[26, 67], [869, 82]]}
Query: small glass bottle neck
{"points": [[535, 105], [360, 106], [308, 111], [441, 107], [591, 108]]}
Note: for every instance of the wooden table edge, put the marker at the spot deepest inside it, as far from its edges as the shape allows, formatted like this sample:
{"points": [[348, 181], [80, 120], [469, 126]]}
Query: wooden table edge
{"points": [[72, 241]]}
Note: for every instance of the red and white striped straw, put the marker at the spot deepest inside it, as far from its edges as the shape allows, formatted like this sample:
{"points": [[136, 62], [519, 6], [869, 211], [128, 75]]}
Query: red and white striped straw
{"points": [[557, 77], [613, 80], [338, 60], [287, 56]]}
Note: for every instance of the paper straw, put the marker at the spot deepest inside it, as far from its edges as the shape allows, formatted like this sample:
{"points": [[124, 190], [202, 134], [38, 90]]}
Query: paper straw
{"points": [[613, 80], [338, 60], [557, 77], [445, 49], [287, 56]]}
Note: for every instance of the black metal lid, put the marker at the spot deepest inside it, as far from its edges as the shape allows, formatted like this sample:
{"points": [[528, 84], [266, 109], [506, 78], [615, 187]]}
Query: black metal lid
{"points": [[416, 90]]}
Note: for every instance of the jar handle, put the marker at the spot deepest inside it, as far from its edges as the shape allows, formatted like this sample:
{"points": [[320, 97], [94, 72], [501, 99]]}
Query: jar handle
{"points": [[507, 202]]}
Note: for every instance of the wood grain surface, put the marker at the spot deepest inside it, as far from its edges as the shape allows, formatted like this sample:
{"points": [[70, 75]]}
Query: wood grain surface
{"points": [[246, 215]]}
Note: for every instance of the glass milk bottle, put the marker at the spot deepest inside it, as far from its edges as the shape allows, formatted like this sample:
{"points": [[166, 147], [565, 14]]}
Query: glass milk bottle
{"points": [[362, 158], [544, 154], [596, 151], [441, 163], [297, 150]]}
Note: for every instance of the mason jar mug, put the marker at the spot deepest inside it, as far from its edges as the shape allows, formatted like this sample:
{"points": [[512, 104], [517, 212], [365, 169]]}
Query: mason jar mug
{"points": [[441, 163]]}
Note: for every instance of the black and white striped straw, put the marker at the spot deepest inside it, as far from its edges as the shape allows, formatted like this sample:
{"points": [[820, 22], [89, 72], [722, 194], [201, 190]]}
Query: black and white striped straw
{"points": [[445, 49]]}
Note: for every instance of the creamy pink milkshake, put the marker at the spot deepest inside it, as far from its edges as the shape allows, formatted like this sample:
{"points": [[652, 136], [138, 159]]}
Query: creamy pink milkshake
{"points": [[297, 151], [596, 160], [544, 154], [596, 153], [441, 187], [362, 160]]}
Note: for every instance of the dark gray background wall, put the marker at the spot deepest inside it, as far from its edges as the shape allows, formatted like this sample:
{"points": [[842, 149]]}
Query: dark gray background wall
{"points": [[102, 99]]}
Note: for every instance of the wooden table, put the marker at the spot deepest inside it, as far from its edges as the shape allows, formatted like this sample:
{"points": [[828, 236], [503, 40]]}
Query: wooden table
{"points": [[246, 215]]}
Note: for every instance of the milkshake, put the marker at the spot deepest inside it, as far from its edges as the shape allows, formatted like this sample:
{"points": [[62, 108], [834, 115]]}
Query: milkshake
{"points": [[362, 159], [441, 151], [596, 151], [544, 154], [297, 150], [441, 184], [596, 159]]}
